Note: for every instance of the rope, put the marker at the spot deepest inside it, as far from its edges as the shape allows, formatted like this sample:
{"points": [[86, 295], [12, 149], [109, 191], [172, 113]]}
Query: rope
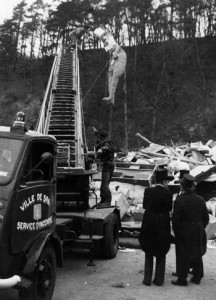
{"points": [[95, 81]]}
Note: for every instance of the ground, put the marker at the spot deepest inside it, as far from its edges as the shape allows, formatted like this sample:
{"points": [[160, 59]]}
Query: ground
{"points": [[121, 279]]}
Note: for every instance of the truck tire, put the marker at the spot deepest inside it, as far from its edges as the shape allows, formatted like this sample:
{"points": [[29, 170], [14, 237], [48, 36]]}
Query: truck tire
{"points": [[44, 277], [111, 237]]}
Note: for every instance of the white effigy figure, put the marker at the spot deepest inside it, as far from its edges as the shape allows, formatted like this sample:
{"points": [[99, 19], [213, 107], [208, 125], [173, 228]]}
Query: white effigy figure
{"points": [[118, 60]]}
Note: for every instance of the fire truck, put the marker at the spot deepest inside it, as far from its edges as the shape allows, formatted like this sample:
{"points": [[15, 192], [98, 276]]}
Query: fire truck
{"points": [[46, 200]]}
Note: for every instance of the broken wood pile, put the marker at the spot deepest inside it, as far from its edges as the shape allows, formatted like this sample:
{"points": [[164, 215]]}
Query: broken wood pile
{"points": [[137, 168], [134, 172], [196, 157]]}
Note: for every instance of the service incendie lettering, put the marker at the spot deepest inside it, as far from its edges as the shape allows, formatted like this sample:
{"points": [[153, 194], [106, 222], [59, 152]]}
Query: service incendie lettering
{"points": [[32, 226], [39, 198]]}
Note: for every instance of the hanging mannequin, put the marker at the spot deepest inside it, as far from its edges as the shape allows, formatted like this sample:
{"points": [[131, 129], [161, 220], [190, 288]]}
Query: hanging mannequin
{"points": [[118, 59]]}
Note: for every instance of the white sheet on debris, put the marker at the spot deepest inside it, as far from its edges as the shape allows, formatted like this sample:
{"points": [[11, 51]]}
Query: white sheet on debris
{"points": [[211, 244], [211, 206], [211, 228], [131, 191], [212, 152], [178, 165]]}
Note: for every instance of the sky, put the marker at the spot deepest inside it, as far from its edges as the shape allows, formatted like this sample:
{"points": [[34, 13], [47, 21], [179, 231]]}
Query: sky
{"points": [[6, 7]]}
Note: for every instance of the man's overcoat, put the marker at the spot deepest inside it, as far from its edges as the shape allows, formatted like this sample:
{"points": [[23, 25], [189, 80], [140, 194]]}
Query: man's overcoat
{"points": [[190, 217], [107, 155], [155, 234]]}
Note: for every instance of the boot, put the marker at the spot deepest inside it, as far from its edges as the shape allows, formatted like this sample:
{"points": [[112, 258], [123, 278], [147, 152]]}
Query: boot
{"points": [[180, 282]]}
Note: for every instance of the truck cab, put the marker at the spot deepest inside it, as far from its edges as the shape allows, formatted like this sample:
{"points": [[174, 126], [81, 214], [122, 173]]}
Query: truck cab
{"points": [[27, 212], [44, 208]]}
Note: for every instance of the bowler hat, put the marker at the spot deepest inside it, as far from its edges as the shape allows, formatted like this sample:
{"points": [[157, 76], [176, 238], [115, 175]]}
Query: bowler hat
{"points": [[163, 175], [187, 182], [181, 175]]}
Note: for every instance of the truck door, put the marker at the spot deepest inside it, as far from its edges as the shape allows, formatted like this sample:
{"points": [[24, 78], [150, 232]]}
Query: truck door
{"points": [[34, 205]]}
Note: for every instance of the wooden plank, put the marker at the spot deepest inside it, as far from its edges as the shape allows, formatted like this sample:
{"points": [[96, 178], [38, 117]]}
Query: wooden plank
{"points": [[173, 157], [134, 167], [134, 181], [171, 151], [154, 148]]}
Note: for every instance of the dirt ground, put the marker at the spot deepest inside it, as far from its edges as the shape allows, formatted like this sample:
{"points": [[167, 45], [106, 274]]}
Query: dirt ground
{"points": [[121, 279]]}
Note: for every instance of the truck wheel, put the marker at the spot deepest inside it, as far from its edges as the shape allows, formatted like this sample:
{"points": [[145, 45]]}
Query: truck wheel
{"points": [[111, 237], [44, 277]]}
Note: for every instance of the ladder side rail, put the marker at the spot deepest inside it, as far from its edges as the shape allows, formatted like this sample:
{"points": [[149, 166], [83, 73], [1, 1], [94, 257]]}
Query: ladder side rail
{"points": [[55, 79], [75, 54], [74, 68], [79, 137], [42, 120], [56, 71], [85, 146]]}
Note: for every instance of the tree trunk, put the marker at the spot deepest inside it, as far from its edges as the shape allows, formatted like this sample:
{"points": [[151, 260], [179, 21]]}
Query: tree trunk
{"points": [[125, 111]]}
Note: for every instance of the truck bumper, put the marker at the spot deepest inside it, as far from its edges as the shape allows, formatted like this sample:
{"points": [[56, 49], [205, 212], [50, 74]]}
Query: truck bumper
{"points": [[9, 282]]}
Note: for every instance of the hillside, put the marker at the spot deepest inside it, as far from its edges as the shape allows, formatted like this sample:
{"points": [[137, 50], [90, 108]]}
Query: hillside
{"points": [[177, 78], [171, 92], [24, 90]]}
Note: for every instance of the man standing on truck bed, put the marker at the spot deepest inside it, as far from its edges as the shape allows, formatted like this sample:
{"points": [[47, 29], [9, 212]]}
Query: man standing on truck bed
{"points": [[105, 153]]}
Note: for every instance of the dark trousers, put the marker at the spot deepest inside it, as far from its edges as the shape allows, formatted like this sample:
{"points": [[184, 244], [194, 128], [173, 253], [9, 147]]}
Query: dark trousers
{"points": [[186, 264], [179, 259], [197, 265], [105, 192], [159, 269]]}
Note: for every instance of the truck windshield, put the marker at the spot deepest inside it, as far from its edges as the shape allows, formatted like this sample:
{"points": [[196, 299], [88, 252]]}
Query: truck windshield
{"points": [[9, 151]]}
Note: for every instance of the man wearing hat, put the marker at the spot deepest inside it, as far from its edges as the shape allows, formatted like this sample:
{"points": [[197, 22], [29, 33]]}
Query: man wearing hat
{"points": [[105, 153], [190, 217], [182, 172], [155, 231], [76, 35]]}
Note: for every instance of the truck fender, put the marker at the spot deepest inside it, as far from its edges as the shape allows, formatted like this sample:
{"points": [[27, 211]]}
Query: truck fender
{"points": [[36, 248]]}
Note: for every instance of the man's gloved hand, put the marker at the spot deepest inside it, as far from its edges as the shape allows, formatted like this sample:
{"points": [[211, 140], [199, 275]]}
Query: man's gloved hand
{"points": [[99, 151]]}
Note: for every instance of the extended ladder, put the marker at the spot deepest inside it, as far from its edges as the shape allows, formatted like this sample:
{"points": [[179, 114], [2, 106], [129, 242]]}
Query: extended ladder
{"points": [[61, 112]]}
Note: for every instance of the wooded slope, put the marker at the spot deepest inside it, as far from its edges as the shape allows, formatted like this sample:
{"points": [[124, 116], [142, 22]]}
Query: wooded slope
{"points": [[171, 92]]}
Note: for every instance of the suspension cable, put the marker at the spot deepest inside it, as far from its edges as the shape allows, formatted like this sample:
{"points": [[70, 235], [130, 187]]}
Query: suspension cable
{"points": [[95, 81]]}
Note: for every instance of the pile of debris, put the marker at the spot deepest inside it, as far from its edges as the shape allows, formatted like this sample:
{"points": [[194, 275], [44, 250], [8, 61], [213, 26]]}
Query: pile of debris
{"points": [[134, 172], [196, 157], [176, 157], [136, 169]]}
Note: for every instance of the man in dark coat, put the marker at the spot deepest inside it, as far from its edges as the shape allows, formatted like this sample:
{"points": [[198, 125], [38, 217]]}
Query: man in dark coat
{"points": [[105, 153], [76, 35], [181, 175], [155, 233], [190, 217]]}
